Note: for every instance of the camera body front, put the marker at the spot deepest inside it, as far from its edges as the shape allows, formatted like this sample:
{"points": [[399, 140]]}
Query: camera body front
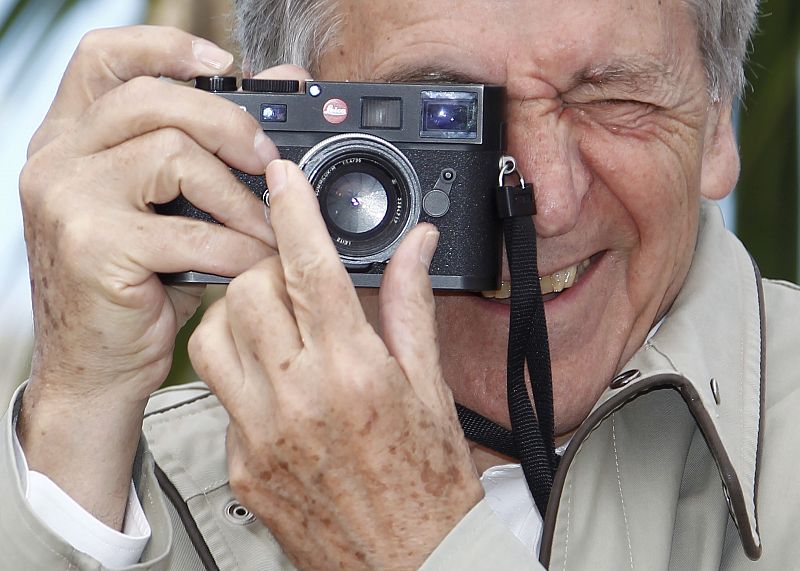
{"points": [[381, 158]]}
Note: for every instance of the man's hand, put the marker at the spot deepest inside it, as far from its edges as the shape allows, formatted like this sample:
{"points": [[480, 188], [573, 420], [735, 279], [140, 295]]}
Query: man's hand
{"points": [[345, 444], [116, 141]]}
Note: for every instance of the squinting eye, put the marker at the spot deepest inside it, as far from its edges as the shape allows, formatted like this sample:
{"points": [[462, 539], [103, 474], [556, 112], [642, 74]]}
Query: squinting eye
{"points": [[622, 102], [626, 107], [609, 104]]}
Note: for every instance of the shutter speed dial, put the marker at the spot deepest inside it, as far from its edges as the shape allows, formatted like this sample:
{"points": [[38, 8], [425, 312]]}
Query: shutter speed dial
{"points": [[220, 84], [271, 85]]}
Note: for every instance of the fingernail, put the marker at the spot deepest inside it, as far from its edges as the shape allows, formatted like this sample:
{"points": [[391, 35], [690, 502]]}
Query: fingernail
{"points": [[276, 177], [265, 148], [210, 55], [428, 248]]}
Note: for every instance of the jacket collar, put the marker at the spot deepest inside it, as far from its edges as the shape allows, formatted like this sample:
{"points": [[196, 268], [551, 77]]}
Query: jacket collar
{"points": [[710, 348]]}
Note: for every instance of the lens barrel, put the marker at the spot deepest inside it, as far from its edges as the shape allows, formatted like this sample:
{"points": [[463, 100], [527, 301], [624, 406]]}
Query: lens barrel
{"points": [[369, 195]]}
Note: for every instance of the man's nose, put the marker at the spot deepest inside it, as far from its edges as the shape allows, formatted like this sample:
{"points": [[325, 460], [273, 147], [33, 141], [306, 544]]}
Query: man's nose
{"points": [[548, 156]]}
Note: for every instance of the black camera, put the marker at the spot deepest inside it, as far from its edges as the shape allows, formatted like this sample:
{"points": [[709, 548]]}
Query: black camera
{"points": [[383, 157]]}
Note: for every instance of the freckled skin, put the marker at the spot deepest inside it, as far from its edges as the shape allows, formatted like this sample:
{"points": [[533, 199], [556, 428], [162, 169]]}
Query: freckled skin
{"points": [[344, 451], [104, 324]]}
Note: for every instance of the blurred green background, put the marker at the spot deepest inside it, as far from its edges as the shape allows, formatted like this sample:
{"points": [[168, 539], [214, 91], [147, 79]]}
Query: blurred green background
{"points": [[767, 195], [766, 201]]}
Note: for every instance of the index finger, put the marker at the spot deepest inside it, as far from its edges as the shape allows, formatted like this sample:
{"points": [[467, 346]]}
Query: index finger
{"points": [[322, 294], [107, 58]]}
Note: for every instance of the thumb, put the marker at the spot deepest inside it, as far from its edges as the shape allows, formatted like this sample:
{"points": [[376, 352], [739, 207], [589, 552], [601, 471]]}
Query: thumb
{"points": [[407, 312]]}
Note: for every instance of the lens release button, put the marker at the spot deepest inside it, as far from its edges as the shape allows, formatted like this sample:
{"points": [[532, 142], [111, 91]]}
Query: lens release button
{"points": [[436, 202]]}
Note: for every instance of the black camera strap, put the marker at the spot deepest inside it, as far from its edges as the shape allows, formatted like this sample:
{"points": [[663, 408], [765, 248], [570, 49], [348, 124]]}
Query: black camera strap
{"points": [[531, 439]]}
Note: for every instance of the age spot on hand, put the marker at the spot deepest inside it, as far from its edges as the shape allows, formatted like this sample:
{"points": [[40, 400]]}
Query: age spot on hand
{"points": [[367, 428]]}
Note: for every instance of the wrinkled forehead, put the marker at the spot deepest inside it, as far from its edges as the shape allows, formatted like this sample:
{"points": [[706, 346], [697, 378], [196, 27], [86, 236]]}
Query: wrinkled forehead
{"points": [[482, 38]]}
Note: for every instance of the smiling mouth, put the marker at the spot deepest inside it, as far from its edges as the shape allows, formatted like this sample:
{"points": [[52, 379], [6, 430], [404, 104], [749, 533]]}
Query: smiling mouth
{"points": [[551, 285]]}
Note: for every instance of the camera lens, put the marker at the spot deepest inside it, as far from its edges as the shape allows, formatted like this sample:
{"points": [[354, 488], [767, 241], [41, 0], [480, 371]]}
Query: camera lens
{"points": [[368, 192], [363, 202], [357, 202]]}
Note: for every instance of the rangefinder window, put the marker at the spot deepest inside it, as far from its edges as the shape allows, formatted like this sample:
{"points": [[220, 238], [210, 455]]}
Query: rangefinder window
{"points": [[449, 115], [273, 113], [381, 113]]}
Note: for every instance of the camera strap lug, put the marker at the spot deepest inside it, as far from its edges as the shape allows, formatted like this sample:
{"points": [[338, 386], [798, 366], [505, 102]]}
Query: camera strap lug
{"points": [[513, 201]]}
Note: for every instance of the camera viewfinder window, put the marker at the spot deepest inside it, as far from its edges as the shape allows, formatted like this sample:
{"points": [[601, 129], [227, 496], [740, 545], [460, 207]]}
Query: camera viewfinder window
{"points": [[381, 113], [273, 113], [449, 115]]}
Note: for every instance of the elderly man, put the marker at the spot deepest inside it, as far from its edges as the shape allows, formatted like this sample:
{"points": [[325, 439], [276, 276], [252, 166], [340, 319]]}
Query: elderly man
{"points": [[674, 389]]}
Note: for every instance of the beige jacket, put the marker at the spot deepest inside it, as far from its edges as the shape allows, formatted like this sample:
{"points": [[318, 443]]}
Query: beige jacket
{"points": [[690, 460]]}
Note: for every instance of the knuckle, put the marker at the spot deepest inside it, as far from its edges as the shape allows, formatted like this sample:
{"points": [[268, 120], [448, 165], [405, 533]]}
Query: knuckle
{"points": [[30, 183], [141, 88], [172, 31], [173, 142], [76, 232], [241, 288], [200, 233], [92, 42], [239, 478], [227, 117], [366, 382], [39, 190], [201, 342], [77, 238], [196, 347], [308, 268], [234, 115], [202, 366], [39, 139], [257, 282]]}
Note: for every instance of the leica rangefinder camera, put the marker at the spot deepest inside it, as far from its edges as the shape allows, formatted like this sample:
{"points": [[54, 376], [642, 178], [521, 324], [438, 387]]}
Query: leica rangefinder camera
{"points": [[383, 157]]}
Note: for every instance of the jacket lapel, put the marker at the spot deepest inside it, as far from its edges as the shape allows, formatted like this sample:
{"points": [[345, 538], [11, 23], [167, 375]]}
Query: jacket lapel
{"points": [[675, 441]]}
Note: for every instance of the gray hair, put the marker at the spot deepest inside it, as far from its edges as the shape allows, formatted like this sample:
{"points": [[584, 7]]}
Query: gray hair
{"points": [[271, 32], [724, 29], [274, 32]]}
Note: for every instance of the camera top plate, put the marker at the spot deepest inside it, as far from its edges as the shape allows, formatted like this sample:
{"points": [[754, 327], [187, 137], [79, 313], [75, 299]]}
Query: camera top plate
{"points": [[401, 113]]}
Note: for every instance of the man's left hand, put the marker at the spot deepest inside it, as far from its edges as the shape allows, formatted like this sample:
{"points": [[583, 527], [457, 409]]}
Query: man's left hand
{"points": [[344, 443]]}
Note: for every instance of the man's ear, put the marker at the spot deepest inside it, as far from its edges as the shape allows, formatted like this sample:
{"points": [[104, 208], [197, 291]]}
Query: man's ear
{"points": [[720, 169]]}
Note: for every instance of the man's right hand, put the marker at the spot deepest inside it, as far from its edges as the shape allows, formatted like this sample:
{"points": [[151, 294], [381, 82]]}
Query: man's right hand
{"points": [[116, 141]]}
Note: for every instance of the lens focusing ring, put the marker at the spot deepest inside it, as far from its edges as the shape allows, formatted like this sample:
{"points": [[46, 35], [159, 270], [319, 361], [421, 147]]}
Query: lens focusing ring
{"points": [[377, 151]]}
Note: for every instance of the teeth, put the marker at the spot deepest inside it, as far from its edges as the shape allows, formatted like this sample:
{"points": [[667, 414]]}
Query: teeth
{"points": [[503, 293], [562, 279], [554, 283], [559, 281]]}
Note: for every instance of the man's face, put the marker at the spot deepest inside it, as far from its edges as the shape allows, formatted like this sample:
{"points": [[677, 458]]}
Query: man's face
{"points": [[608, 117]]}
